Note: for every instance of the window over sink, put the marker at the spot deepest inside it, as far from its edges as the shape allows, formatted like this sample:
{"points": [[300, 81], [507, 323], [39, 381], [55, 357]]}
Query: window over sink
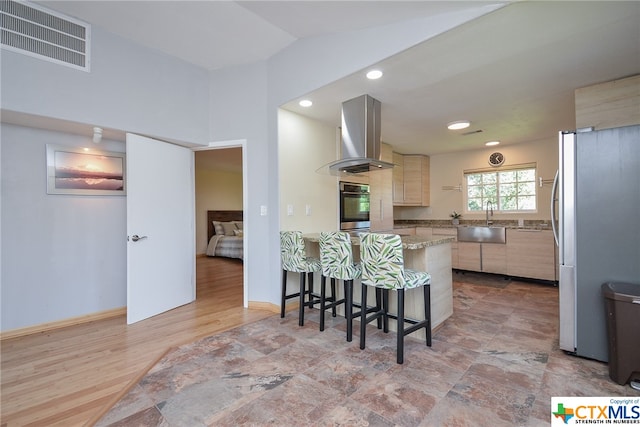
{"points": [[511, 189]]}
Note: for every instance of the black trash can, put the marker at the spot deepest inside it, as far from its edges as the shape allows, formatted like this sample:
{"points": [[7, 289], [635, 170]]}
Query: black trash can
{"points": [[622, 305]]}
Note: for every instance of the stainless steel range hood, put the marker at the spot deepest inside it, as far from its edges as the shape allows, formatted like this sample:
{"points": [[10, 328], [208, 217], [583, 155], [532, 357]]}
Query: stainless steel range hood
{"points": [[361, 145]]}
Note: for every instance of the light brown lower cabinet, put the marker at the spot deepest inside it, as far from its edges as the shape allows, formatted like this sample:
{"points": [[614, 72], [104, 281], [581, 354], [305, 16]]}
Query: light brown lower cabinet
{"points": [[494, 258], [527, 253], [454, 255], [484, 257], [531, 253], [448, 232], [469, 256]]}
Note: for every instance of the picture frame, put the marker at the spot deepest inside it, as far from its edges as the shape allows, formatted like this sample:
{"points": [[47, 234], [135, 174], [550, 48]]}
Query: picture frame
{"points": [[85, 171]]}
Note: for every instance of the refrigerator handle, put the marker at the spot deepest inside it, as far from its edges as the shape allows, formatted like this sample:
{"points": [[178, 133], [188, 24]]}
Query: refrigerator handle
{"points": [[554, 200]]}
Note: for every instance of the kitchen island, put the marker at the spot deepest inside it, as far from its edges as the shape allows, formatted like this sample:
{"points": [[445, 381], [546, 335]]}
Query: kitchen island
{"points": [[432, 255]]}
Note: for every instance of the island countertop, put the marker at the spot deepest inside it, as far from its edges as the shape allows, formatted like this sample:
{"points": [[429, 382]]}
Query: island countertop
{"points": [[408, 242]]}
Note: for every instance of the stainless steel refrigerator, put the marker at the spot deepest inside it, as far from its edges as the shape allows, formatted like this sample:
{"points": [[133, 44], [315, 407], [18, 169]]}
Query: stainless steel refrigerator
{"points": [[597, 190]]}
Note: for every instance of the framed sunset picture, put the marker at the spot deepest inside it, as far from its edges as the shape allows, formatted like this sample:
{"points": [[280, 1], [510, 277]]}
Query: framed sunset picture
{"points": [[85, 171]]}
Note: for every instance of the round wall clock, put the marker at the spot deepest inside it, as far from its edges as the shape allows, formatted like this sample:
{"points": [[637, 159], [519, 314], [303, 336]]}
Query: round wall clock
{"points": [[496, 159]]}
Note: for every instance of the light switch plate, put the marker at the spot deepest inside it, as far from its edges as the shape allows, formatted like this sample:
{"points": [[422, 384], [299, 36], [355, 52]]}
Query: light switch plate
{"points": [[263, 210], [290, 210], [307, 210]]}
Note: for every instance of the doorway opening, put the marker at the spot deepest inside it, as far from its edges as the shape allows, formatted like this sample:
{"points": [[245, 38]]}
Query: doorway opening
{"points": [[220, 185]]}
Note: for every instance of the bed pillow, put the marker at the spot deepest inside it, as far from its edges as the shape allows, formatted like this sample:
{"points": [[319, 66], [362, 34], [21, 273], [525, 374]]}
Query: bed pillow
{"points": [[238, 233], [239, 224], [217, 226], [229, 228]]}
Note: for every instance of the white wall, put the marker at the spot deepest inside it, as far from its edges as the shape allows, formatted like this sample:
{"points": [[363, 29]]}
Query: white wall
{"points": [[129, 88], [448, 170], [62, 255], [304, 146], [239, 111], [215, 190]]}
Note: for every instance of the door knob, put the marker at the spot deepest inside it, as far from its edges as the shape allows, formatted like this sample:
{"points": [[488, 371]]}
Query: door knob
{"points": [[135, 237]]}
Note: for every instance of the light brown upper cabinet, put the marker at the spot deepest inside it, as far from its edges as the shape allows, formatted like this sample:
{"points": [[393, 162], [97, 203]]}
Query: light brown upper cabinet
{"points": [[411, 180], [381, 204], [398, 179], [609, 105]]}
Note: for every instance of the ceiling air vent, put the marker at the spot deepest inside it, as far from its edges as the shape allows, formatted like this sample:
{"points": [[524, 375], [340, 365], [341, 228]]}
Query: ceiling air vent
{"points": [[33, 30]]}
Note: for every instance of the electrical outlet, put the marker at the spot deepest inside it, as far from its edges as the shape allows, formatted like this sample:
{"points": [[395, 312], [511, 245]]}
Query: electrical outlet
{"points": [[263, 210], [290, 210]]}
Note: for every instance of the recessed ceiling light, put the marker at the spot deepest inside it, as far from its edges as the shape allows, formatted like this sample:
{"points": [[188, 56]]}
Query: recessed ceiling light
{"points": [[305, 103], [491, 143], [374, 74], [459, 124]]}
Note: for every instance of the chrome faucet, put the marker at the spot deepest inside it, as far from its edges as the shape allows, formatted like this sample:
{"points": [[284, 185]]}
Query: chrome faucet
{"points": [[489, 211]]}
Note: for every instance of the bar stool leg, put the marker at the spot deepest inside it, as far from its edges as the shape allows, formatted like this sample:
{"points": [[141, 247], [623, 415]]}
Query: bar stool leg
{"points": [[400, 334], [302, 303], [284, 293], [363, 317], [427, 312], [385, 310], [348, 307], [323, 282], [333, 297]]}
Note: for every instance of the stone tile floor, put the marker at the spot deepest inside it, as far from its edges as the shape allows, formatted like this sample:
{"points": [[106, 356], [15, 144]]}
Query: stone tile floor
{"points": [[495, 362]]}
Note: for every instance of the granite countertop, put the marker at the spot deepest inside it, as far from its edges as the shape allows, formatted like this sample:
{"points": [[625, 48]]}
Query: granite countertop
{"points": [[408, 242], [420, 242], [446, 223]]}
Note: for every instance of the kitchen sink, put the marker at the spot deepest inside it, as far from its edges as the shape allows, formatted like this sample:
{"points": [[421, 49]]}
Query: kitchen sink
{"points": [[482, 234]]}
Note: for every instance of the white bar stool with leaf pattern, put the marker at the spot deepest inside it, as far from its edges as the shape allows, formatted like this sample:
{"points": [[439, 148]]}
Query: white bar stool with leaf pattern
{"points": [[336, 258], [294, 258], [383, 268]]}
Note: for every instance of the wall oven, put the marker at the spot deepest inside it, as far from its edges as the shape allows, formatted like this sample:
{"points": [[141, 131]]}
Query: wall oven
{"points": [[354, 206]]}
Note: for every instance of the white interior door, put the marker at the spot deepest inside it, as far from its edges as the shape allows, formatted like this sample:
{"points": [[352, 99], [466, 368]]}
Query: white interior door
{"points": [[160, 227]]}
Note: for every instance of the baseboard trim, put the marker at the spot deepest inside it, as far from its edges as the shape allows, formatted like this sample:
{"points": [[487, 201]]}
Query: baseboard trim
{"points": [[267, 306], [49, 326]]}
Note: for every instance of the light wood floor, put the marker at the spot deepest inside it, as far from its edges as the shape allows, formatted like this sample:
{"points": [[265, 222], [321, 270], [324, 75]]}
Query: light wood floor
{"points": [[69, 376]]}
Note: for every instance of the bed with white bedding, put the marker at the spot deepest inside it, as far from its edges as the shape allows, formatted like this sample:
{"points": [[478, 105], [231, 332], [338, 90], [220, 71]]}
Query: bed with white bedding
{"points": [[225, 234]]}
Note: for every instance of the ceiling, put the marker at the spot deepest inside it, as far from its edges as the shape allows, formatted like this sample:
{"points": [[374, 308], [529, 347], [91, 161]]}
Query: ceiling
{"points": [[511, 72], [215, 34]]}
